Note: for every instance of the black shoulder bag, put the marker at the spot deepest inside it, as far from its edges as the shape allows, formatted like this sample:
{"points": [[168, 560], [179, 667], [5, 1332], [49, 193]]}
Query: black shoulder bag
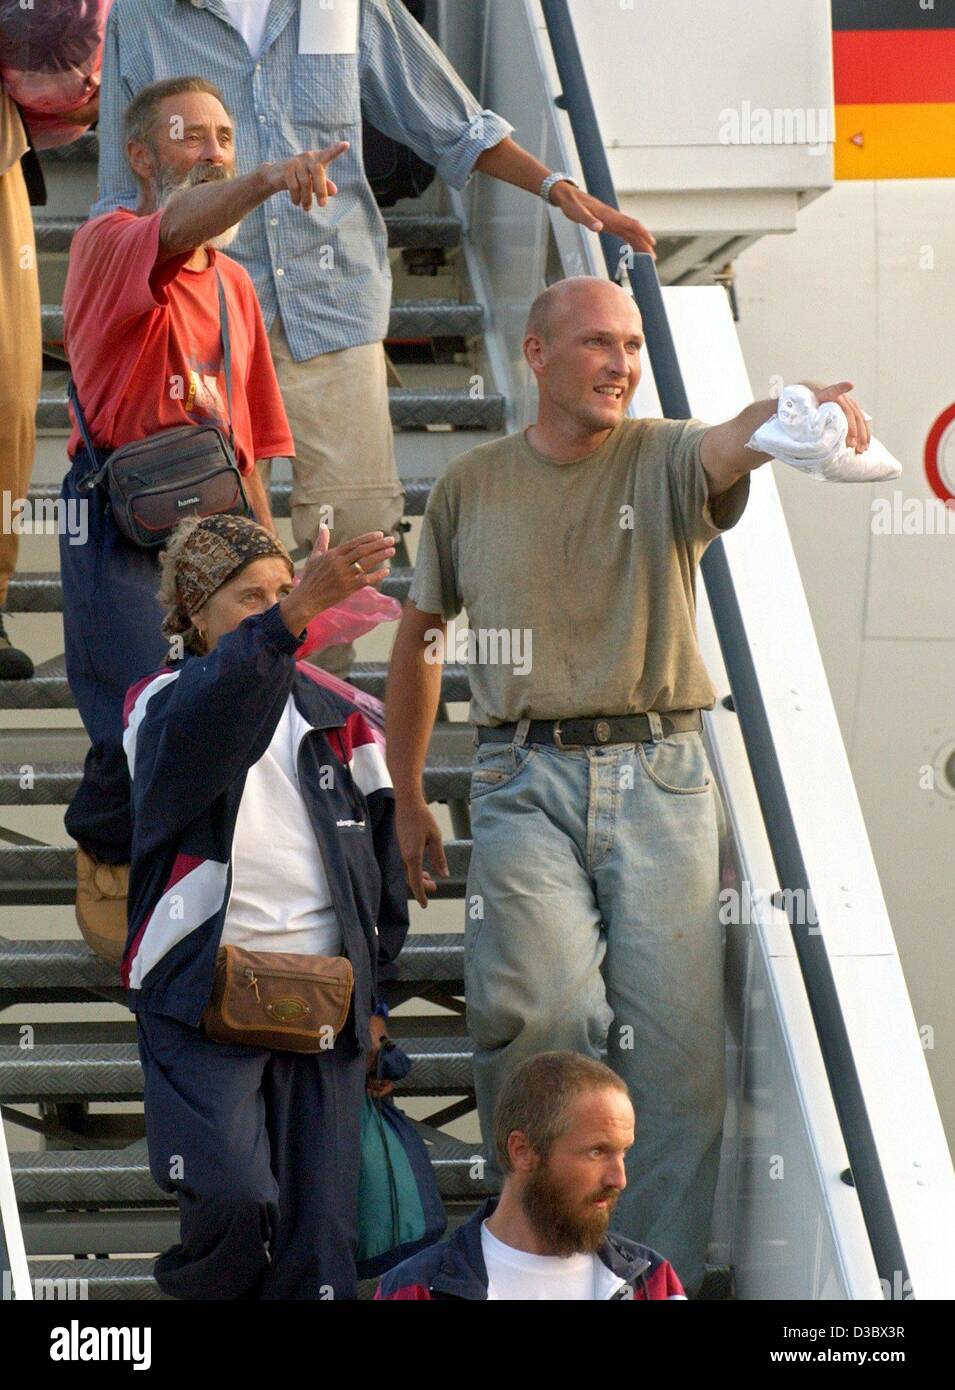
{"points": [[188, 471]]}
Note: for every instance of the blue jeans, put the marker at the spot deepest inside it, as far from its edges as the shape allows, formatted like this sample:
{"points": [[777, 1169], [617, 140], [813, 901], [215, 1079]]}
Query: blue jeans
{"points": [[592, 923], [112, 630]]}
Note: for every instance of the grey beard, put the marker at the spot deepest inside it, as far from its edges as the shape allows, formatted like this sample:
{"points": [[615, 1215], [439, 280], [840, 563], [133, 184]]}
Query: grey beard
{"points": [[226, 238], [168, 183]]}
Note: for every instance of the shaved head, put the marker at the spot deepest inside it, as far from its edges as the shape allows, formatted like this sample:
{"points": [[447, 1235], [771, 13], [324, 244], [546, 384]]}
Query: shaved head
{"points": [[582, 342], [574, 298]]}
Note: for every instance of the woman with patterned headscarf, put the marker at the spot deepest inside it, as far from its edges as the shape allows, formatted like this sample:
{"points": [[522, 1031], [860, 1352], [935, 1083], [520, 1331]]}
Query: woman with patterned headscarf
{"points": [[262, 821]]}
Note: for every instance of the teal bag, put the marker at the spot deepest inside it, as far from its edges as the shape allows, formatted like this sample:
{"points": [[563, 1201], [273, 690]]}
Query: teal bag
{"points": [[399, 1206]]}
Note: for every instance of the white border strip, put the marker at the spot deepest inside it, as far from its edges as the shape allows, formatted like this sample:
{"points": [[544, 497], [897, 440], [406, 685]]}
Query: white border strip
{"points": [[12, 1232]]}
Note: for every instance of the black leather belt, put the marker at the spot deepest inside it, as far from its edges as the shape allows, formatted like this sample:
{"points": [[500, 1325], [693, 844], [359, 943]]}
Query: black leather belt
{"points": [[584, 733]]}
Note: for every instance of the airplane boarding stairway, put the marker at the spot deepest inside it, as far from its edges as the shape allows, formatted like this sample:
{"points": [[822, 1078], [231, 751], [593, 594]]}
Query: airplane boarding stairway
{"points": [[788, 1219]]}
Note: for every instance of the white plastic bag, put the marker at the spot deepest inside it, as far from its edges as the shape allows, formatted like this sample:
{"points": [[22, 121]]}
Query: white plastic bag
{"points": [[812, 438]]}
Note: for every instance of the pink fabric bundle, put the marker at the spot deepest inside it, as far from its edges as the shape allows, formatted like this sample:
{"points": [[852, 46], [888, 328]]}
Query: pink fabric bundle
{"points": [[361, 612], [370, 706], [50, 60], [352, 618]]}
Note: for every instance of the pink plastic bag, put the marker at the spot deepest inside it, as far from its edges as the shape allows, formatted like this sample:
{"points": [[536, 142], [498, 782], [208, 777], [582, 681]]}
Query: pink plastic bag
{"points": [[50, 60], [370, 706], [361, 612]]}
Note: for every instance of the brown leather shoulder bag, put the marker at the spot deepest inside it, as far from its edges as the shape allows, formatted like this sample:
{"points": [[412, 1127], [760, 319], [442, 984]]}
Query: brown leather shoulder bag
{"points": [[276, 999]]}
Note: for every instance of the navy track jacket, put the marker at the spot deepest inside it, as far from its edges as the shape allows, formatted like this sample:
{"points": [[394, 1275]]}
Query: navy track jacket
{"points": [[455, 1268], [192, 732]]}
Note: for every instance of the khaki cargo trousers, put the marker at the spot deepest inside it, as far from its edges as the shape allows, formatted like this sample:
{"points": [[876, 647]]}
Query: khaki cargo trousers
{"points": [[344, 470]]}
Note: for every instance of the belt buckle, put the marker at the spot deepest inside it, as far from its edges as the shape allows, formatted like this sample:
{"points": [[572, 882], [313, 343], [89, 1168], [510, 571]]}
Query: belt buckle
{"points": [[558, 741]]}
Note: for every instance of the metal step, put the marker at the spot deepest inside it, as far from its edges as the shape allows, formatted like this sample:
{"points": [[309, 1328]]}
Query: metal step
{"points": [[55, 784], [48, 688], [54, 970], [406, 230], [100, 1279], [435, 318], [410, 318], [33, 874], [115, 1280], [451, 749], [132, 1279], [111, 1072], [411, 408], [417, 491], [42, 592], [114, 1178]]}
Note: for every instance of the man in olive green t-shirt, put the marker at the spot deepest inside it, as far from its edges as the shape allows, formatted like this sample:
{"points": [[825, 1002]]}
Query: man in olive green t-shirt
{"points": [[592, 917]]}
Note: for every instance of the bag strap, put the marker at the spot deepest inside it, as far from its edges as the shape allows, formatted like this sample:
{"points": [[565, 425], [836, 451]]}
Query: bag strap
{"points": [[30, 165], [226, 351], [94, 478], [392, 1180]]}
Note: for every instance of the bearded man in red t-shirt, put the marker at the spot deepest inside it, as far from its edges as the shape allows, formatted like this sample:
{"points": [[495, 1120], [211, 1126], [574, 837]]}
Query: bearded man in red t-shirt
{"points": [[142, 329]]}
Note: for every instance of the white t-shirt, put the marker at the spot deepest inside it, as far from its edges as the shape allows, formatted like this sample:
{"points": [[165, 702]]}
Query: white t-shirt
{"points": [[249, 17], [516, 1274], [281, 900]]}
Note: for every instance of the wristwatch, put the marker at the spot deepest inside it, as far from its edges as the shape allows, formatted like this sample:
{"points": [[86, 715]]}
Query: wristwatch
{"points": [[551, 180]]}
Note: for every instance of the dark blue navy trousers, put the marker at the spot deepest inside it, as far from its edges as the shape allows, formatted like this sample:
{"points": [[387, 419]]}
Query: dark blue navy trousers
{"points": [[262, 1150], [112, 627]]}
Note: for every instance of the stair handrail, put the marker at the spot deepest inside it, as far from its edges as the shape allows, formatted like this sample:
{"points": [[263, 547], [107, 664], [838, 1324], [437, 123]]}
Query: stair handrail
{"points": [[809, 938]]}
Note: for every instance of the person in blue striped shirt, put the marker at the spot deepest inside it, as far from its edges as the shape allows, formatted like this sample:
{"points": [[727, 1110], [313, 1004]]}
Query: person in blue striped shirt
{"points": [[298, 75]]}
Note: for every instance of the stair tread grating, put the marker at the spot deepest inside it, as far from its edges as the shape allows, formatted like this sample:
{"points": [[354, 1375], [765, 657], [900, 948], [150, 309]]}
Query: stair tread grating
{"points": [[31, 965], [112, 1071], [417, 491], [35, 874], [409, 318], [41, 591], [412, 408], [407, 230], [445, 778], [48, 688], [121, 1177]]}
